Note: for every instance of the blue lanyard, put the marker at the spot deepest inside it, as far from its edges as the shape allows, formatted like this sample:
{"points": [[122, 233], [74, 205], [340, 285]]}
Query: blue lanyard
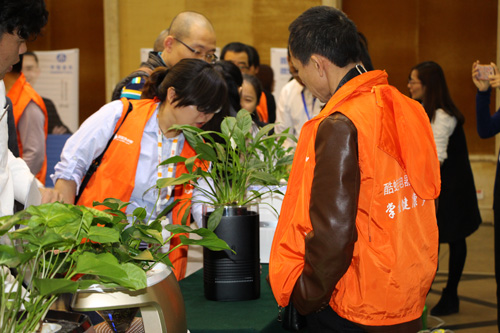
{"points": [[305, 105]]}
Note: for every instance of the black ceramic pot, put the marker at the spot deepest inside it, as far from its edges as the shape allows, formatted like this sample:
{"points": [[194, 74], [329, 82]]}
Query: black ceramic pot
{"points": [[228, 276]]}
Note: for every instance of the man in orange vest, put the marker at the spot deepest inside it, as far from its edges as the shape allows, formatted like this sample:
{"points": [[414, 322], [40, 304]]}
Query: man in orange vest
{"points": [[31, 119], [356, 244]]}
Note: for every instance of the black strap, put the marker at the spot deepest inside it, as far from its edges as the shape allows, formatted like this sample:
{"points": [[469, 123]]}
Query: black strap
{"points": [[95, 163]]}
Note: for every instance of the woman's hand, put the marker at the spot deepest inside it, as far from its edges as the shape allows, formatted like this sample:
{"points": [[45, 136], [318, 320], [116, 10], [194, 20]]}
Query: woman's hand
{"points": [[495, 79], [482, 85]]}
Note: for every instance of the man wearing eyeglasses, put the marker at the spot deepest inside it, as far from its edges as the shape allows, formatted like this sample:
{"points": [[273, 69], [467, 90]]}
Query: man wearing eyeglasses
{"points": [[191, 35]]}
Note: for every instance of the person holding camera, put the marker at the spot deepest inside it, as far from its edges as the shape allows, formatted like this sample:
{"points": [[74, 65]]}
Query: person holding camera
{"points": [[457, 213], [487, 126]]}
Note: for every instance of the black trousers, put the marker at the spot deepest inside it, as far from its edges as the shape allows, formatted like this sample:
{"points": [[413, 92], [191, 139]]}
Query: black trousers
{"points": [[328, 321]]}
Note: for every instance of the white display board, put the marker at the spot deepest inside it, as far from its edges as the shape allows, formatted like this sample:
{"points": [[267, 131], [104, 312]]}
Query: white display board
{"points": [[58, 81], [279, 64]]}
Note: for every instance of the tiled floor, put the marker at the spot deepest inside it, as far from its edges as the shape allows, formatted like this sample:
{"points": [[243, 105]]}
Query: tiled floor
{"points": [[476, 290]]}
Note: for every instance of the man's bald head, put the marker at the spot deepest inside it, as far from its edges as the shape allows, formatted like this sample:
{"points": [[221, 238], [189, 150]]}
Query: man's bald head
{"points": [[183, 23], [191, 35]]}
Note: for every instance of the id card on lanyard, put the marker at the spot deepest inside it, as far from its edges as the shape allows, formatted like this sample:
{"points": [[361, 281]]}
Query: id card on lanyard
{"points": [[305, 105], [165, 171]]}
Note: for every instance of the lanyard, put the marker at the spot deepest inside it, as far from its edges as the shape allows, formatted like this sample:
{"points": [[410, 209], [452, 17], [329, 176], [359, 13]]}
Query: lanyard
{"points": [[305, 104], [161, 168]]}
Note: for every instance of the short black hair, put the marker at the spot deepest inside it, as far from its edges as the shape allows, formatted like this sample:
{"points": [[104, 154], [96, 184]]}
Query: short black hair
{"points": [[257, 86], [236, 47], [234, 80], [325, 31], [253, 59], [195, 81], [26, 17]]}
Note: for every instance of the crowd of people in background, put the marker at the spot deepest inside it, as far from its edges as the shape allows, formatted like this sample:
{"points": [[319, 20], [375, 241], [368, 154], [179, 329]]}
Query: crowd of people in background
{"points": [[336, 233]]}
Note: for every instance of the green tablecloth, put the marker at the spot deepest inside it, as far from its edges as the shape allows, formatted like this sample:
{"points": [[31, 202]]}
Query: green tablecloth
{"points": [[258, 315]]}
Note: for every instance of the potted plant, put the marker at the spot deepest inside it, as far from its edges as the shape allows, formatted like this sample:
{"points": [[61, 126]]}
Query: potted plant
{"points": [[62, 248], [230, 202]]}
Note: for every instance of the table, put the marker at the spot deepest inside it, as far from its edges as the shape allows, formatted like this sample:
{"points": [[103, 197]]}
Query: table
{"points": [[204, 316]]}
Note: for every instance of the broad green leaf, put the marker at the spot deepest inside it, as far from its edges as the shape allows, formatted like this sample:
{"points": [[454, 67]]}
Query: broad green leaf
{"points": [[53, 214], [190, 163], [182, 179], [264, 178], [55, 286], [173, 159], [178, 229], [227, 126], [214, 218], [239, 138], [221, 152], [106, 266], [140, 213], [193, 139], [244, 121], [144, 255], [206, 152], [212, 243], [103, 234], [100, 214], [263, 131]]}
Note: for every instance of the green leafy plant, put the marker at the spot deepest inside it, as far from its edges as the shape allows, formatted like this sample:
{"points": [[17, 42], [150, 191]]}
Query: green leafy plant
{"points": [[61, 248], [240, 161]]}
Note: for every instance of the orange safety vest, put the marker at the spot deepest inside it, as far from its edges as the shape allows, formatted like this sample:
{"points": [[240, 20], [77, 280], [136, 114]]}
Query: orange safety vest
{"points": [[21, 94], [115, 177], [261, 109], [395, 257]]}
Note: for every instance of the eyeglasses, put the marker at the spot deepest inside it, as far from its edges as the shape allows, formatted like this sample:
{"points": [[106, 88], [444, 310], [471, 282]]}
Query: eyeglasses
{"points": [[209, 57], [413, 82]]}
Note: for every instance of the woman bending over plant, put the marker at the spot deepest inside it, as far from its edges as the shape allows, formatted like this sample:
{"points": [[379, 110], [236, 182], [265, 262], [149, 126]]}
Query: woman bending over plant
{"points": [[190, 93]]}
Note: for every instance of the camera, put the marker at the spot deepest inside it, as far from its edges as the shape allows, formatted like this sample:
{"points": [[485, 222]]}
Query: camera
{"points": [[484, 71]]}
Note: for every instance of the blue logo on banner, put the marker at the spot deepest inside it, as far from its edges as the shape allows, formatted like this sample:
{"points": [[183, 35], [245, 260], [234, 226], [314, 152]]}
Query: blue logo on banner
{"points": [[283, 61], [61, 57]]}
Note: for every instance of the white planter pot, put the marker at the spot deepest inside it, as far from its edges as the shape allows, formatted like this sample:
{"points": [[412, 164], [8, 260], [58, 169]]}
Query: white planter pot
{"points": [[268, 219]]}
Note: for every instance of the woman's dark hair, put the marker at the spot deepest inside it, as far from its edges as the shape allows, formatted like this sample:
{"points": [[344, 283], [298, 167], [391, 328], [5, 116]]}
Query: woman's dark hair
{"points": [[436, 95], [195, 81], [257, 86], [234, 80], [27, 16]]}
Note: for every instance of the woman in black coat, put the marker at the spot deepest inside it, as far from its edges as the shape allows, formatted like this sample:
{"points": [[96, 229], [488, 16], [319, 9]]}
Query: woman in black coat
{"points": [[458, 213]]}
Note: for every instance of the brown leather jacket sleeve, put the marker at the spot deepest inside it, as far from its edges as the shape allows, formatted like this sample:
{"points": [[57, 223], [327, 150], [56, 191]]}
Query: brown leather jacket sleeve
{"points": [[333, 206]]}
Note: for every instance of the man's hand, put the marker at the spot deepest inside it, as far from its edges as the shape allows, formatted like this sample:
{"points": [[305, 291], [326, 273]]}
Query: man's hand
{"points": [[50, 195]]}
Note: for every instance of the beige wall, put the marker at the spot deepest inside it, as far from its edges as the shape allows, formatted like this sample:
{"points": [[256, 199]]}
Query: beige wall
{"points": [[261, 23]]}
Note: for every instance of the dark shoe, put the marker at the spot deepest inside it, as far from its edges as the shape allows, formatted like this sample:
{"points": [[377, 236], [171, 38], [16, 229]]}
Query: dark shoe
{"points": [[448, 304]]}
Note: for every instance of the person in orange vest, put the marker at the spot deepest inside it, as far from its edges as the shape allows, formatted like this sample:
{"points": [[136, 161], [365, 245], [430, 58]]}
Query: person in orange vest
{"points": [[356, 245], [31, 120], [189, 93]]}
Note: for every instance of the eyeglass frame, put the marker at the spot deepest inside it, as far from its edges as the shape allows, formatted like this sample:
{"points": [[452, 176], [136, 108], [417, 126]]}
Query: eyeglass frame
{"points": [[413, 82], [211, 57]]}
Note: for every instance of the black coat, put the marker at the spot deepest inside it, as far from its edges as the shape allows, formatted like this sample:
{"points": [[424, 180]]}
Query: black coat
{"points": [[458, 212]]}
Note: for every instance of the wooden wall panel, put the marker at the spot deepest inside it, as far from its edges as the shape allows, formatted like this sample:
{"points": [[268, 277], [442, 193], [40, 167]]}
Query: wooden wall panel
{"points": [[79, 24], [455, 34], [261, 23], [452, 33]]}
